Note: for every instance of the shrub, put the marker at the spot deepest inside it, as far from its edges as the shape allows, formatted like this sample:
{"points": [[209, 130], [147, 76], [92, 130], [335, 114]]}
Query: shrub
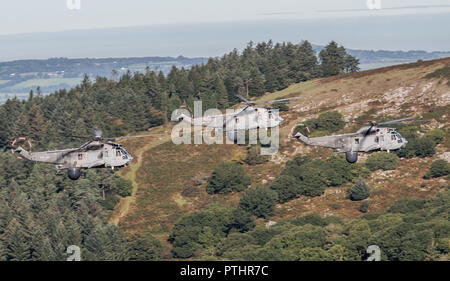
{"points": [[242, 221], [364, 207], [288, 244], [339, 171], [259, 201], [407, 205], [228, 177], [313, 176], [360, 191], [254, 156], [144, 247], [231, 247], [381, 160], [330, 121], [111, 199], [313, 219], [287, 188], [435, 135], [313, 183], [422, 147], [123, 187], [281, 106], [335, 206], [190, 191], [438, 168], [326, 123], [205, 228]]}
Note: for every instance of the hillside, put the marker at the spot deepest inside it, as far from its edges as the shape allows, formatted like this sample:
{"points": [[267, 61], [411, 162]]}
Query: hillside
{"points": [[166, 171], [18, 77]]}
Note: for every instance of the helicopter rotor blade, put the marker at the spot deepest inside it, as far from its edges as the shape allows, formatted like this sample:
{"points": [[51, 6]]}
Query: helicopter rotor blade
{"points": [[366, 133], [245, 100], [396, 121], [241, 112], [75, 149], [368, 130], [278, 101], [138, 136]]}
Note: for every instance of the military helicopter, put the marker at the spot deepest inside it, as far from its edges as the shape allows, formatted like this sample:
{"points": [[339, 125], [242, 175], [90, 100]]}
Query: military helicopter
{"points": [[93, 154], [245, 118], [366, 139]]}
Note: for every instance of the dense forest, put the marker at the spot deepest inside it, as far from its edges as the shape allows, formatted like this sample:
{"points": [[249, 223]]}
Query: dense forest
{"points": [[42, 212], [136, 102], [412, 229]]}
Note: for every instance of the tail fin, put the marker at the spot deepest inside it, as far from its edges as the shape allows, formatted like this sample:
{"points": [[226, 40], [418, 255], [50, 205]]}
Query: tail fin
{"points": [[23, 152], [302, 138]]}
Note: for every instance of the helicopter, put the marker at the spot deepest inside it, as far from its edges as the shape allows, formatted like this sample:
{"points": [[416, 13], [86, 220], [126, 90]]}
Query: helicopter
{"points": [[93, 154], [366, 139], [250, 117]]}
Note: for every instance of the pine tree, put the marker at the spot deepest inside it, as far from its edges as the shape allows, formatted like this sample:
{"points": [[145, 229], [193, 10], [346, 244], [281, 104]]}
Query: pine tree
{"points": [[360, 190], [308, 65], [351, 64], [17, 248], [332, 59], [221, 93]]}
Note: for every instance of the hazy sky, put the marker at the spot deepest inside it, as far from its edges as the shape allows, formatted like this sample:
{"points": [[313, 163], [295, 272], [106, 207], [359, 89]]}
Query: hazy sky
{"points": [[135, 28], [24, 16]]}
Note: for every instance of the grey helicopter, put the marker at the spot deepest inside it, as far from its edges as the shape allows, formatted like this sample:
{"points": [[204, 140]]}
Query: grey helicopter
{"points": [[368, 138], [95, 153], [250, 117]]}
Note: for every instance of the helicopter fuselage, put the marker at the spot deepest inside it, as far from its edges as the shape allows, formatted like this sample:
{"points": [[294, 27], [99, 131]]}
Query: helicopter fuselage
{"points": [[379, 138], [93, 154], [247, 118]]}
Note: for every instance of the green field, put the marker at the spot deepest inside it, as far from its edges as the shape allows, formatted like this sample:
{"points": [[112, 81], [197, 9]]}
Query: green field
{"points": [[45, 82]]}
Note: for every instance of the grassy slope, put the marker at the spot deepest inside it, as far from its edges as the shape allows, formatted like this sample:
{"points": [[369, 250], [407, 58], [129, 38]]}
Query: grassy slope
{"points": [[165, 169]]}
